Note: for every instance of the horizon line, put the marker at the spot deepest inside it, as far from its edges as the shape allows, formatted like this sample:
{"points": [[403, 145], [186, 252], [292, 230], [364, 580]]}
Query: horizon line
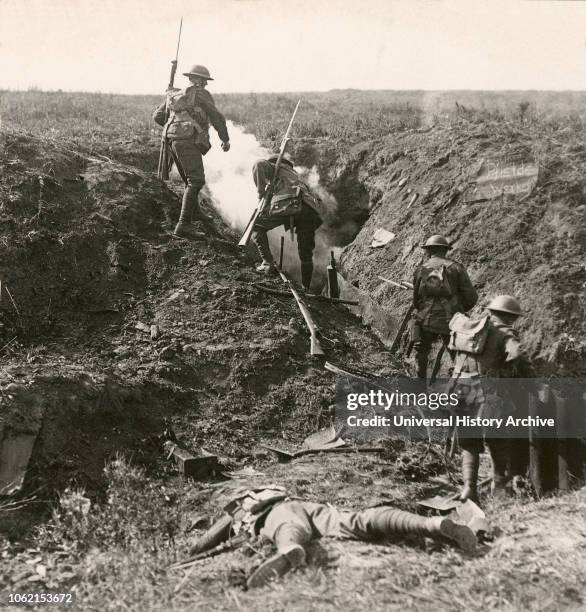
{"points": [[35, 89]]}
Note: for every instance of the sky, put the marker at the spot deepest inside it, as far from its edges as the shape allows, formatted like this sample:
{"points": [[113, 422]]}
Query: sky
{"points": [[126, 46]]}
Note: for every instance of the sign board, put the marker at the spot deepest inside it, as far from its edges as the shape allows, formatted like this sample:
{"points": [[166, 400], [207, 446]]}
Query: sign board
{"points": [[504, 176]]}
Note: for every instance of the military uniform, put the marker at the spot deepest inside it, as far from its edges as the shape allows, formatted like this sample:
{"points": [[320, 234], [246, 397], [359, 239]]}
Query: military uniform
{"points": [[189, 145], [502, 357], [291, 524], [433, 313], [305, 222]]}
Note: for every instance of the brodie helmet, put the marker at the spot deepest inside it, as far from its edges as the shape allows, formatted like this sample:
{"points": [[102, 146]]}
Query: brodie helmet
{"points": [[506, 303], [200, 71], [436, 241]]}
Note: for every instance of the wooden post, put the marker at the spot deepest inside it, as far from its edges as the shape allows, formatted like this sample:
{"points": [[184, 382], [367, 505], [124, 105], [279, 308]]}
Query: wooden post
{"points": [[519, 453], [281, 252], [543, 454], [570, 421], [534, 458], [332, 273], [563, 442]]}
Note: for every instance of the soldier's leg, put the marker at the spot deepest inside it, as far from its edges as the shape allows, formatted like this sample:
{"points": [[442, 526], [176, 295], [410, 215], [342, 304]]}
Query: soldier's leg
{"points": [[446, 340], [261, 240], [383, 522], [306, 224], [471, 440], [288, 526], [191, 162], [471, 449], [499, 449], [422, 351]]}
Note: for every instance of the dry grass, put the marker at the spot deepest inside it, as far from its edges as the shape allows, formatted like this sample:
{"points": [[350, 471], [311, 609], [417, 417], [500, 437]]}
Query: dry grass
{"points": [[115, 556]]}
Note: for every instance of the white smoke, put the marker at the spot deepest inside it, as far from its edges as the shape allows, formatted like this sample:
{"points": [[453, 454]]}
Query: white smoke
{"points": [[229, 175], [230, 182]]}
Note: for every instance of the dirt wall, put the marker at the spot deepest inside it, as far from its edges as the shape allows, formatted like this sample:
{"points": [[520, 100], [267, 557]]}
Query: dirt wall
{"points": [[527, 244]]}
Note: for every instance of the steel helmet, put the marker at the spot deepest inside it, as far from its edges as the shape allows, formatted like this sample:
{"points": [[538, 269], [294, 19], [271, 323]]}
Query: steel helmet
{"points": [[287, 157], [436, 240], [200, 71], [506, 303]]}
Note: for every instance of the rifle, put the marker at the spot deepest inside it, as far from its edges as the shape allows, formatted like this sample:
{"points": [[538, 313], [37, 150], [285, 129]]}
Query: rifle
{"points": [[401, 284], [265, 200], [164, 165], [316, 348], [401, 329]]}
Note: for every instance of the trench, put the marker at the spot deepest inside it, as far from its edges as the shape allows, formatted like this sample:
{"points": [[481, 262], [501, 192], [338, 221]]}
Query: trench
{"points": [[347, 199], [91, 384], [230, 184]]}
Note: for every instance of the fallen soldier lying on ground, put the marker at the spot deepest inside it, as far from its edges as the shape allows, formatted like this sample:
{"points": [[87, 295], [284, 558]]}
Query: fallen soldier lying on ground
{"points": [[291, 525]]}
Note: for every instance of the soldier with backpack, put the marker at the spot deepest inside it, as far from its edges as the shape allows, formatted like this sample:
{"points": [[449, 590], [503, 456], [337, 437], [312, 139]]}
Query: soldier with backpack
{"points": [[441, 288], [293, 206], [484, 349], [186, 115]]}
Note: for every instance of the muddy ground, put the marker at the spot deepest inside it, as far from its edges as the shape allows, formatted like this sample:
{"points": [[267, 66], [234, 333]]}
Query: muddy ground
{"points": [[88, 266]]}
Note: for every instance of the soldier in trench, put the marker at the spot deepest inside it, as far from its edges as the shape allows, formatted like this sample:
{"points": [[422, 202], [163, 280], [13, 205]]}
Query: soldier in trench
{"points": [[291, 524], [190, 112], [441, 288], [294, 206], [477, 365]]}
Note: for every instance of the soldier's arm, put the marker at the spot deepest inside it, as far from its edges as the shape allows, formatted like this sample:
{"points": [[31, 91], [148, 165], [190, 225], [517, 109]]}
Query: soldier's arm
{"points": [[160, 113], [218, 121], [262, 173], [516, 359], [468, 295]]}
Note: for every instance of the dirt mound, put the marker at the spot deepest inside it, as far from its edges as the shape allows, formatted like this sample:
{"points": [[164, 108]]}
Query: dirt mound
{"points": [[90, 267], [527, 244]]}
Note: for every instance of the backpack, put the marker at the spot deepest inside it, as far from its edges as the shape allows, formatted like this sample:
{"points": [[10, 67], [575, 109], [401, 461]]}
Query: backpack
{"points": [[468, 335], [435, 283], [182, 124], [286, 204]]}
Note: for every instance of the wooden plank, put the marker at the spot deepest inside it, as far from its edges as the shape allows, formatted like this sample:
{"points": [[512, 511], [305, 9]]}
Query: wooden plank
{"points": [[198, 467]]}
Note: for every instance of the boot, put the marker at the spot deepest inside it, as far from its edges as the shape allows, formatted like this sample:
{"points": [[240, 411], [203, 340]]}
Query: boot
{"points": [[499, 454], [386, 522], [290, 540], [306, 274], [184, 227], [197, 214], [470, 465], [261, 240], [267, 267]]}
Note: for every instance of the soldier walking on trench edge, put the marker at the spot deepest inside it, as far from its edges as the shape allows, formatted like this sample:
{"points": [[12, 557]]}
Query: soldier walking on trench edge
{"points": [[441, 288], [191, 110], [293, 206]]}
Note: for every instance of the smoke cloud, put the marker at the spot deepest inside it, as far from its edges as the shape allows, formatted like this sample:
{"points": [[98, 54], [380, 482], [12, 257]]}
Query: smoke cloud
{"points": [[229, 180], [229, 176]]}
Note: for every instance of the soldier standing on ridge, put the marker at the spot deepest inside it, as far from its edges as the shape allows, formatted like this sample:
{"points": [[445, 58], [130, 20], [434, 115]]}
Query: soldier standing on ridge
{"points": [[497, 354], [441, 287], [191, 110], [293, 205]]}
